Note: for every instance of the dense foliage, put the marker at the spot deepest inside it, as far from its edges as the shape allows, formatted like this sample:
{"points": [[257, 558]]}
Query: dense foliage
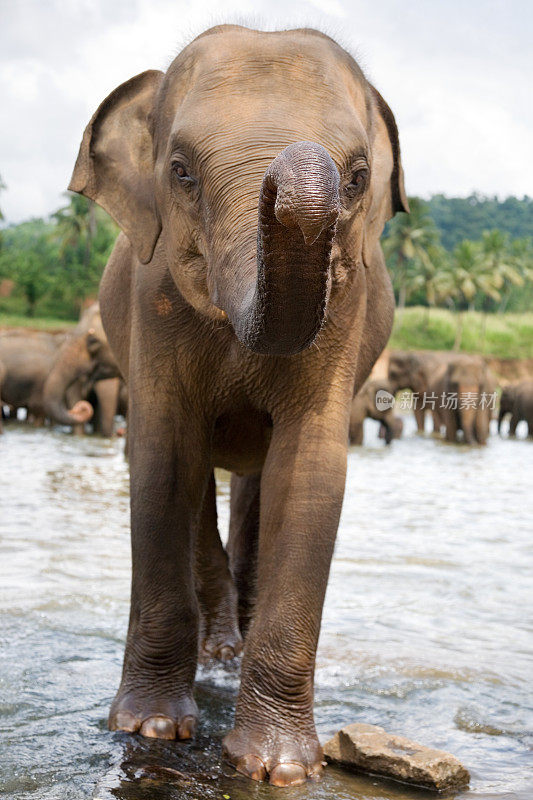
{"points": [[55, 265]]}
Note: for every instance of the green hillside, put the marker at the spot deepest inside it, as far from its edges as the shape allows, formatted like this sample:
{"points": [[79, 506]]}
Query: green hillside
{"points": [[459, 218]]}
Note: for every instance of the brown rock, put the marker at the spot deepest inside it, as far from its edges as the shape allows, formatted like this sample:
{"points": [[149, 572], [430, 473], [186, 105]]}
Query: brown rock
{"points": [[368, 748]]}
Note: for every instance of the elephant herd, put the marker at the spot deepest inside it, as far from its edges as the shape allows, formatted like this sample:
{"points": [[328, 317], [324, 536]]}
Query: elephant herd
{"points": [[62, 377], [73, 378], [458, 390]]}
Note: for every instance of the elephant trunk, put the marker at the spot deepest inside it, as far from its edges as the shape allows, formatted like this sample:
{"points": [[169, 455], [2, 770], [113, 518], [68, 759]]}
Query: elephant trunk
{"points": [[72, 362], [277, 307]]}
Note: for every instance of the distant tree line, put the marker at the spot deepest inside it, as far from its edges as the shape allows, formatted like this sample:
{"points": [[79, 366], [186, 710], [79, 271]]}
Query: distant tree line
{"points": [[461, 253], [459, 218], [492, 273]]}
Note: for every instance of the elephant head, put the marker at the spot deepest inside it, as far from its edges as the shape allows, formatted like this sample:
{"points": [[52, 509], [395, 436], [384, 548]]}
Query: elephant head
{"points": [[251, 161], [84, 358], [406, 371]]}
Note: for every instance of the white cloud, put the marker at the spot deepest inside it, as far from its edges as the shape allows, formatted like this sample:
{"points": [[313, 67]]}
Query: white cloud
{"points": [[454, 74]]}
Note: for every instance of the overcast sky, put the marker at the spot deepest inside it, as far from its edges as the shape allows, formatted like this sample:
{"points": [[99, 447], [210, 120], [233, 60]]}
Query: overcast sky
{"points": [[457, 74]]}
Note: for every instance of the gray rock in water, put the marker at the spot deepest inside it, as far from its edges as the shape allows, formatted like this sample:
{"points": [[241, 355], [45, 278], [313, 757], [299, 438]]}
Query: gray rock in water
{"points": [[368, 748]]}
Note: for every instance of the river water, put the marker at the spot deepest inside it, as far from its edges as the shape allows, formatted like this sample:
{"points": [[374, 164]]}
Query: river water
{"points": [[426, 631]]}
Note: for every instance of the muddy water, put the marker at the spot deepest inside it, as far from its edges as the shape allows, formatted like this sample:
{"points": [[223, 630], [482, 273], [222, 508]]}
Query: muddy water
{"points": [[427, 624]]}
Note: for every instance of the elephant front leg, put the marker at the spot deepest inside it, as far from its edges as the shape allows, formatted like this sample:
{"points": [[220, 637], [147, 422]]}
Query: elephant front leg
{"points": [[420, 417], [168, 481], [302, 487], [451, 426], [219, 627]]}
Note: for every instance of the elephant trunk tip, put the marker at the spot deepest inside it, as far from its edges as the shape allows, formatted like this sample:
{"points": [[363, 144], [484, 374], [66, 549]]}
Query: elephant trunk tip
{"points": [[306, 182], [79, 414], [311, 226]]}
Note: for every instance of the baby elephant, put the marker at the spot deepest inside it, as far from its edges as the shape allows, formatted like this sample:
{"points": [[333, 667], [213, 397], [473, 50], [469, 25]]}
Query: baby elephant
{"points": [[517, 400], [376, 401]]}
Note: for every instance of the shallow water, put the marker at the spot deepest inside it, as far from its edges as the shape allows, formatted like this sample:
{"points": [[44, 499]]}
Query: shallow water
{"points": [[426, 631]]}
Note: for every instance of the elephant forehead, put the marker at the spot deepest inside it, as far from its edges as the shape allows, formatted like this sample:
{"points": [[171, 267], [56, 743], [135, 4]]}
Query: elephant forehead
{"points": [[262, 129], [255, 69]]}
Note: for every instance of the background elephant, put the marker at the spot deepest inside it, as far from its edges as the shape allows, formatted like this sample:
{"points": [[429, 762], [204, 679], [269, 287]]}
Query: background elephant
{"points": [[364, 405], [517, 400], [463, 395], [507, 399], [84, 367], [2, 376], [252, 182], [415, 370], [27, 358]]}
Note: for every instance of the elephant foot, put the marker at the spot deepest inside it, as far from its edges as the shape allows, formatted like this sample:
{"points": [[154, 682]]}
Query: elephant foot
{"points": [[220, 637], [153, 715], [274, 754]]}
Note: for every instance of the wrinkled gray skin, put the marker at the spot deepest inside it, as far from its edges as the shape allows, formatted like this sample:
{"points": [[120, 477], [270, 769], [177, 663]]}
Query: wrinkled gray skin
{"points": [[517, 400], [416, 370], [469, 378], [84, 363], [27, 358], [364, 405], [245, 299]]}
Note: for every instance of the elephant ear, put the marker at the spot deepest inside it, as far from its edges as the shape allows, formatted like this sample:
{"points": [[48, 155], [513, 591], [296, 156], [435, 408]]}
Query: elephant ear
{"points": [[386, 184], [115, 164]]}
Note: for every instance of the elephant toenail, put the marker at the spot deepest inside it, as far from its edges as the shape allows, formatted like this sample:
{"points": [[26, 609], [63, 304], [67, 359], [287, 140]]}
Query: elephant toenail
{"points": [[226, 653], [316, 773], [158, 727], [252, 767], [288, 774], [124, 721], [187, 728]]}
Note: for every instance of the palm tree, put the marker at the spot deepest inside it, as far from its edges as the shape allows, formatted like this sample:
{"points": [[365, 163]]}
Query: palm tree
{"points": [[520, 259], [76, 225], [466, 276], [513, 262], [406, 249], [428, 277]]}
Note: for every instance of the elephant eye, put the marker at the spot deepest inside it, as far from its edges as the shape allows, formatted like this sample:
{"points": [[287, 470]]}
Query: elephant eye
{"points": [[180, 171], [359, 179]]}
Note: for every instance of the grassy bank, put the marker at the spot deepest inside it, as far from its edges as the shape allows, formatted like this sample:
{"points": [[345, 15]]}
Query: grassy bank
{"points": [[500, 335], [37, 323]]}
